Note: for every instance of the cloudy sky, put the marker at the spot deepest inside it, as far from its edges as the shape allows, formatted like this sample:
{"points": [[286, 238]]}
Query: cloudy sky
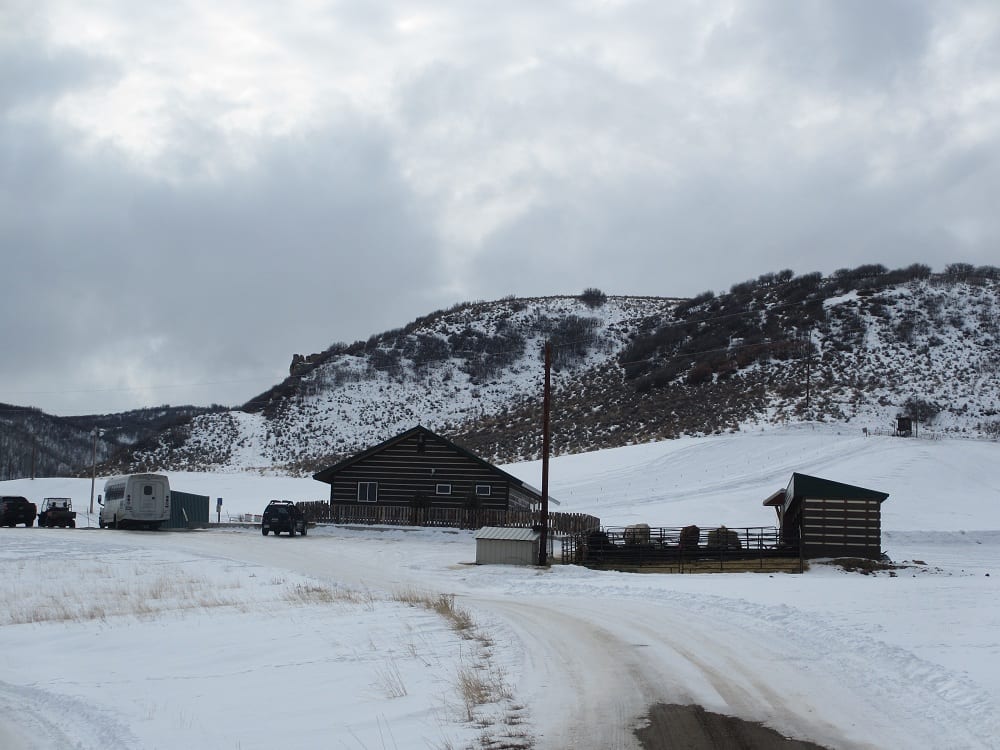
{"points": [[191, 192]]}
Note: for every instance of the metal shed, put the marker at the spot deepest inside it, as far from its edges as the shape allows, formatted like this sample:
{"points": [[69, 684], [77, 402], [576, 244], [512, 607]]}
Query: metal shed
{"points": [[187, 511], [829, 519], [504, 545]]}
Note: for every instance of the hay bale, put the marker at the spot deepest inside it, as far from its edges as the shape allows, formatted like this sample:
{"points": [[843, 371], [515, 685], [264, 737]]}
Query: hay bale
{"points": [[722, 539], [637, 533], [690, 537]]}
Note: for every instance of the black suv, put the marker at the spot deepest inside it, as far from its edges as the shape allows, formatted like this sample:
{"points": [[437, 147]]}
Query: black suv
{"points": [[282, 515]]}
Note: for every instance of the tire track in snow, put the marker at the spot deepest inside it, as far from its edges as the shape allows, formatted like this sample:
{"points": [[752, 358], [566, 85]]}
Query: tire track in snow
{"points": [[43, 720], [885, 688]]}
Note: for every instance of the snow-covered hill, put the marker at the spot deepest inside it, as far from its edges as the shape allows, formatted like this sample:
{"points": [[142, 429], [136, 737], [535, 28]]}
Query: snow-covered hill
{"points": [[859, 348], [445, 371]]}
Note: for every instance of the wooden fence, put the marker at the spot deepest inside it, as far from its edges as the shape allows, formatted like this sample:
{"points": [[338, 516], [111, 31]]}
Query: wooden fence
{"points": [[461, 518]]}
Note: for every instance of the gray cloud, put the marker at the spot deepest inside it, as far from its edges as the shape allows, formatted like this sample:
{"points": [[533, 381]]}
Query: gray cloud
{"points": [[318, 241], [846, 45], [189, 195]]}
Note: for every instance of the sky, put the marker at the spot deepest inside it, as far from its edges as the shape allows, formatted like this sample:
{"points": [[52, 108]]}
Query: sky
{"points": [[190, 193]]}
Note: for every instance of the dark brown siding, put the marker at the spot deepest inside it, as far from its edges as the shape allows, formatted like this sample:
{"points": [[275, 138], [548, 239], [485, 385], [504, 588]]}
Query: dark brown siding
{"points": [[836, 528], [403, 471]]}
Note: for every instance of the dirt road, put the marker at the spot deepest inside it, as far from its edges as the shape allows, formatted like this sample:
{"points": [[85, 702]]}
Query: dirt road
{"points": [[694, 728]]}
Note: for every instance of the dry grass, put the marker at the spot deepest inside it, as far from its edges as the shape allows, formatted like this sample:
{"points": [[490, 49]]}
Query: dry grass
{"points": [[98, 593], [474, 689], [480, 685], [311, 594], [103, 597], [390, 681], [443, 604]]}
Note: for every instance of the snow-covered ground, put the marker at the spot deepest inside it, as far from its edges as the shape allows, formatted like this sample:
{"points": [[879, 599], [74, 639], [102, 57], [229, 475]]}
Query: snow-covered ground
{"points": [[226, 639]]}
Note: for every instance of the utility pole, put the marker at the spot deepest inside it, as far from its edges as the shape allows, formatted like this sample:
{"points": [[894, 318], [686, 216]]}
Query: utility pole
{"points": [[93, 476], [809, 356], [543, 541]]}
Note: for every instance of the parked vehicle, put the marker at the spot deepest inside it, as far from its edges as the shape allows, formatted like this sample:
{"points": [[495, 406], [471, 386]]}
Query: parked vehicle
{"points": [[57, 511], [15, 509], [135, 501], [283, 515]]}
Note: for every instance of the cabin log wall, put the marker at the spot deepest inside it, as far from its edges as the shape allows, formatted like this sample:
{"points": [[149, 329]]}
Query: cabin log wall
{"points": [[406, 471]]}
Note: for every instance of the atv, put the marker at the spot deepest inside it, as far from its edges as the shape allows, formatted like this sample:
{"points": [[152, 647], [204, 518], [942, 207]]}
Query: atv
{"points": [[57, 511]]}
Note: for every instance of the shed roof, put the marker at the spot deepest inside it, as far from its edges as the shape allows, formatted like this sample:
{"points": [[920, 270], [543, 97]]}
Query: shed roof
{"points": [[802, 486], [778, 498], [508, 533]]}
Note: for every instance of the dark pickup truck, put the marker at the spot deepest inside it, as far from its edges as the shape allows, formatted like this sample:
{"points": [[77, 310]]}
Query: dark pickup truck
{"points": [[57, 511], [15, 509]]}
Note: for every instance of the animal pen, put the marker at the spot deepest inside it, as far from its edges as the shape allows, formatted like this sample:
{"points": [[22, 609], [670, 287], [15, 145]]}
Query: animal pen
{"points": [[688, 549]]}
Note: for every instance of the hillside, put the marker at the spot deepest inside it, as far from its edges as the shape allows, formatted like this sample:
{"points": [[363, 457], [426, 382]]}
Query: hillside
{"points": [[449, 370], [33, 443], [860, 347]]}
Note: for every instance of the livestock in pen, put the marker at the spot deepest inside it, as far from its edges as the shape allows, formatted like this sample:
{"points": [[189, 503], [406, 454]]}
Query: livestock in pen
{"points": [[682, 549]]}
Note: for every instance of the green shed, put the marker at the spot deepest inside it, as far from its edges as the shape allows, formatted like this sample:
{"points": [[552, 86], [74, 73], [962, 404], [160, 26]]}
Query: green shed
{"points": [[829, 519], [187, 511]]}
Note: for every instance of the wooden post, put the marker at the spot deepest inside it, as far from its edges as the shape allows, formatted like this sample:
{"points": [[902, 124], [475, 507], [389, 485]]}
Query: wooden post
{"points": [[808, 363], [544, 540], [93, 476]]}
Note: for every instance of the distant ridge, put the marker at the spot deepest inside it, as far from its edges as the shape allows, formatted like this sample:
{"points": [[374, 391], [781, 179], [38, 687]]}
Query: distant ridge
{"points": [[858, 347]]}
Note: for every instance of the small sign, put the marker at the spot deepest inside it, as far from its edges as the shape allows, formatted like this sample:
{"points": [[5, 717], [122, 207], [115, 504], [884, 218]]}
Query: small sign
{"points": [[218, 504]]}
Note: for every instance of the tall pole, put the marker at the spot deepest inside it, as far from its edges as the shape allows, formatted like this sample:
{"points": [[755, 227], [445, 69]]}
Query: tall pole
{"points": [[809, 356], [544, 540], [93, 476]]}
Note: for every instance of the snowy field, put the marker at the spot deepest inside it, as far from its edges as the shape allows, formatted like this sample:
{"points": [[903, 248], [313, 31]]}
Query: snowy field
{"points": [[389, 639]]}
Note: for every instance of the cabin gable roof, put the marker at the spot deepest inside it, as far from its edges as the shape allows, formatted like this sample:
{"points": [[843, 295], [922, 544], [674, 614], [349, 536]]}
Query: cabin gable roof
{"points": [[328, 475]]}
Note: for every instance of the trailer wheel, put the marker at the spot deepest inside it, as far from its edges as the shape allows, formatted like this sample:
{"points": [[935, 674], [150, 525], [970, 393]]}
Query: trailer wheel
{"points": [[303, 529], [29, 524], [263, 531]]}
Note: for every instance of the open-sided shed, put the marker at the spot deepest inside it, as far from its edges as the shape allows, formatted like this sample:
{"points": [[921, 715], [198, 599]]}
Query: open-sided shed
{"points": [[829, 519]]}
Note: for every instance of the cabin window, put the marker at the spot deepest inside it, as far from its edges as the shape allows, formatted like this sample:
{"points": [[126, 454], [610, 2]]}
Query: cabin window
{"points": [[443, 489], [421, 443], [367, 492], [483, 490], [147, 489]]}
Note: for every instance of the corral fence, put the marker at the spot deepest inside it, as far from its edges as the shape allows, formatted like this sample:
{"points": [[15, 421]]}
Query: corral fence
{"points": [[460, 518], [682, 549]]}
